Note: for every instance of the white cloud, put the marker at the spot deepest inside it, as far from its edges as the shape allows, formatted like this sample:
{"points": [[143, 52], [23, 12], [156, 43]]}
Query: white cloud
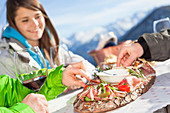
{"points": [[69, 17], [80, 21]]}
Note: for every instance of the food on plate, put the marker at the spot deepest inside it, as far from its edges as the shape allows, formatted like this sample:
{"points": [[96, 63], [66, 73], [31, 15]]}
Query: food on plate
{"points": [[114, 75], [112, 59], [109, 62], [106, 96]]}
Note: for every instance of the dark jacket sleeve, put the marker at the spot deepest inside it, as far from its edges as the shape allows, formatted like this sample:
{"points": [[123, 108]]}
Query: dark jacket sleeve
{"points": [[156, 45]]}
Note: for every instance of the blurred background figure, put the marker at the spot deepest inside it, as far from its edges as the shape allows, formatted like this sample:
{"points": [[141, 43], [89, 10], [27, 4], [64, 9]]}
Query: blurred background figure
{"points": [[107, 49], [106, 40]]}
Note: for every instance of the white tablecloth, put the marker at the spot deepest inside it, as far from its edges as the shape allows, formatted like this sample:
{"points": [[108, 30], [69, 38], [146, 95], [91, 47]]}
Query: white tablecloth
{"points": [[157, 97]]}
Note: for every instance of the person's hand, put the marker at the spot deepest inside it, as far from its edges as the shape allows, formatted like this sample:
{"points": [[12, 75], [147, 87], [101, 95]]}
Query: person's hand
{"points": [[129, 53], [37, 102], [69, 75]]}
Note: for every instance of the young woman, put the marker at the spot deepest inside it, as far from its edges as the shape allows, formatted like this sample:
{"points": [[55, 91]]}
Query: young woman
{"points": [[29, 25]]}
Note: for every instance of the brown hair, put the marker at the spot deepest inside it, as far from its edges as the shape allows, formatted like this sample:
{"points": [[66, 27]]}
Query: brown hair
{"points": [[46, 41]]}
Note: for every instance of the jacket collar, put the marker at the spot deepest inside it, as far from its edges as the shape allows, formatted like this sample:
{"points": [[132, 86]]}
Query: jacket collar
{"points": [[10, 32]]}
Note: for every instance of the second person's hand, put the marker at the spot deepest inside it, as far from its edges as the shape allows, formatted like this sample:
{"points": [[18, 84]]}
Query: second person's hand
{"points": [[129, 53]]}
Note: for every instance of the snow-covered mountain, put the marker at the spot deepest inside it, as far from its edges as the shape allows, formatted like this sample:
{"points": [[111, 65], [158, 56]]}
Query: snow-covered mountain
{"points": [[119, 27], [146, 25], [83, 42]]}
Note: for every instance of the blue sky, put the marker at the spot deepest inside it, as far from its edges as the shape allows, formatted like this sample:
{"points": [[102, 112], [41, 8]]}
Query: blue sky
{"points": [[70, 16]]}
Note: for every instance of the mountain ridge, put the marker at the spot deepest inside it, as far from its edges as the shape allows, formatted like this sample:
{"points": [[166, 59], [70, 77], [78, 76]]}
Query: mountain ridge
{"points": [[129, 28]]}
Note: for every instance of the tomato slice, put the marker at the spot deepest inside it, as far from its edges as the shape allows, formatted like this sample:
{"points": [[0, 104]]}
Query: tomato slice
{"points": [[124, 87], [107, 88], [87, 86], [124, 81]]}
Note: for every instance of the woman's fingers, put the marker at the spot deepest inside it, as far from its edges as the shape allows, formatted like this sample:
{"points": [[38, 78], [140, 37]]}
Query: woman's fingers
{"points": [[80, 65], [77, 84], [72, 75], [69, 77], [78, 71]]}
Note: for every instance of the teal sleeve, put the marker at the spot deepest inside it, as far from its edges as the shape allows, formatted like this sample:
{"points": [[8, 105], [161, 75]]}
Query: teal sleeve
{"points": [[53, 85]]}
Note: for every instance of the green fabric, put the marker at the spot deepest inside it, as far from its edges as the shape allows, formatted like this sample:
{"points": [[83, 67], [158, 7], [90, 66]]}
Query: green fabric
{"points": [[21, 108], [12, 92], [53, 85]]}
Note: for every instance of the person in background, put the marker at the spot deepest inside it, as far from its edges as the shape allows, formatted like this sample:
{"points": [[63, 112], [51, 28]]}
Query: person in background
{"points": [[29, 25], [152, 47], [14, 97], [107, 49], [107, 40]]}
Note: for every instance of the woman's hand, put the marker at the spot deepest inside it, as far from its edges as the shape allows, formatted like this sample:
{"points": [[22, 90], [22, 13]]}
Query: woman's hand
{"points": [[69, 75], [129, 53], [37, 102]]}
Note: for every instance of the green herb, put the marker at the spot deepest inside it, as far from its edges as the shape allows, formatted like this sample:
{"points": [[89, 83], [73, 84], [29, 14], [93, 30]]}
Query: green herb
{"points": [[139, 75], [113, 88], [102, 81], [102, 86], [116, 97], [88, 99]]}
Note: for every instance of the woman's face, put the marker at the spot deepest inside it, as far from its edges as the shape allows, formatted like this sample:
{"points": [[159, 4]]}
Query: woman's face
{"points": [[30, 23]]}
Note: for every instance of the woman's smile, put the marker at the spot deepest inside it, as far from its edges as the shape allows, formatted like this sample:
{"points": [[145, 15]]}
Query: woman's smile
{"points": [[30, 23]]}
